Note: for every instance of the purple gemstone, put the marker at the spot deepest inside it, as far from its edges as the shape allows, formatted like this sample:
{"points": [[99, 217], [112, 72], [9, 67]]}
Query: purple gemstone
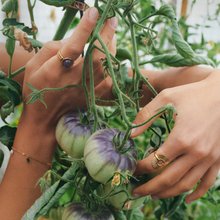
{"points": [[67, 63]]}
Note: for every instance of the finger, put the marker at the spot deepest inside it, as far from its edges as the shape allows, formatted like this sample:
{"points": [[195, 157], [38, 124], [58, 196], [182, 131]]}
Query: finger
{"points": [[49, 50], [185, 184], [169, 176], [75, 44], [149, 111], [107, 35], [205, 184]]}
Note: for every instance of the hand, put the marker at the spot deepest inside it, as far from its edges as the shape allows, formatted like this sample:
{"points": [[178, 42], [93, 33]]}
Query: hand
{"points": [[193, 144], [45, 70]]}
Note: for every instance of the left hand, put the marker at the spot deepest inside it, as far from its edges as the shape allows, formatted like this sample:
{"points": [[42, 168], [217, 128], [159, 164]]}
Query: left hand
{"points": [[193, 145], [45, 70]]}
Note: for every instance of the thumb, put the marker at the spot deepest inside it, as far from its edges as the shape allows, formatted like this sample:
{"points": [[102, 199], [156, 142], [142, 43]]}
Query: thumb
{"points": [[151, 109]]}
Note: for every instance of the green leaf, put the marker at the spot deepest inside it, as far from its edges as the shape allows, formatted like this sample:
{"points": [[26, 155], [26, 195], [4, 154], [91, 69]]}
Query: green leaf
{"points": [[35, 43], [8, 6], [175, 204], [31, 87], [155, 140], [181, 45], [12, 22], [2, 74], [167, 11], [10, 46], [33, 99], [3, 96], [6, 110], [119, 215], [1, 157], [177, 60], [51, 195], [7, 135], [58, 3], [138, 214]]}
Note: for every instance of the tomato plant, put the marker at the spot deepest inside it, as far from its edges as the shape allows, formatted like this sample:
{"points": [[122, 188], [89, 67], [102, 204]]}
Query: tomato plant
{"points": [[93, 158]]}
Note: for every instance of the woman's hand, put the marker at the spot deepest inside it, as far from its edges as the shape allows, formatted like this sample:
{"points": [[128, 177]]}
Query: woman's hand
{"points": [[193, 144], [45, 70]]}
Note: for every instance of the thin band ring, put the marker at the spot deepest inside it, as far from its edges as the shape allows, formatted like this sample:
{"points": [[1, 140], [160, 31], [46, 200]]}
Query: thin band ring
{"points": [[66, 62]]}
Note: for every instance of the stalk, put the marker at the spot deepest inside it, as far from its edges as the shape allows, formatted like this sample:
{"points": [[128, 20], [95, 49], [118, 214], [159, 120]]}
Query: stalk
{"points": [[64, 25]]}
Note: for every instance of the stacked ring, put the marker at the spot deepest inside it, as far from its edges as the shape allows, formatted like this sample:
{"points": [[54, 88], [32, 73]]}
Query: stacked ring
{"points": [[159, 161], [66, 62]]}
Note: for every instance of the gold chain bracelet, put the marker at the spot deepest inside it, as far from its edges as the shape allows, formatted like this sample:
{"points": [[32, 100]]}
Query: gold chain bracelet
{"points": [[29, 157]]}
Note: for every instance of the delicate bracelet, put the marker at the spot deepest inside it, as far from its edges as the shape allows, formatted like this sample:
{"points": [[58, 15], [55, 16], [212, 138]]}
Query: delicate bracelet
{"points": [[29, 157]]}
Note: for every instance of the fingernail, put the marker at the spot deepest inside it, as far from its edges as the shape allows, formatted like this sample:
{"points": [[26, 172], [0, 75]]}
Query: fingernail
{"points": [[137, 195], [190, 202], [133, 129], [154, 197], [114, 22], [93, 13]]}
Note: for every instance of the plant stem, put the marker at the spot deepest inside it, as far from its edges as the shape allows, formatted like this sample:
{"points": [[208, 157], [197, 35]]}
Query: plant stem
{"points": [[30, 9], [107, 53], [17, 72], [9, 71], [92, 91], [130, 214], [67, 19]]}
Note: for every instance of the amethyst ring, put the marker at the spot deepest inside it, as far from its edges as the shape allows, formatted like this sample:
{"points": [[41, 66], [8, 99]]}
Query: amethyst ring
{"points": [[66, 62]]}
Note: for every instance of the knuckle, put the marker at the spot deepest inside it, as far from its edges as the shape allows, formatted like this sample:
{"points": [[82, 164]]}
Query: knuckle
{"points": [[166, 95], [201, 152], [185, 187], [74, 49], [52, 46], [168, 181]]}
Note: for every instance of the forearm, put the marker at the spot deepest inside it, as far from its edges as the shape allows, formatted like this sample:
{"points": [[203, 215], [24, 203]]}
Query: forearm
{"points": [[21, 177], [20, 58], [173, 77]]}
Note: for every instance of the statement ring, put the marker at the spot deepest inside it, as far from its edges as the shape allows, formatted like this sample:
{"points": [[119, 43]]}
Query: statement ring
{"points": [[66, 62], [159, 161]]}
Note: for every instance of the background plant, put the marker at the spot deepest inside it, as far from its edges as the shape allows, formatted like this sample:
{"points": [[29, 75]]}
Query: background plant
{"points": [[138, 21]]}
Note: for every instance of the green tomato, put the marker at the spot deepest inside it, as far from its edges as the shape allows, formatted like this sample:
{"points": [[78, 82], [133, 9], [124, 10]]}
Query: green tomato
{"points": [[79, 211], [72, 135], [56, 214], [120, 200], [102, 159]]}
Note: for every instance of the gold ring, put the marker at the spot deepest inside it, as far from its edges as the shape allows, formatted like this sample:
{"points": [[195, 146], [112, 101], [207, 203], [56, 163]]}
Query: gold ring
{"points": [[159, 161], [66, 62]]}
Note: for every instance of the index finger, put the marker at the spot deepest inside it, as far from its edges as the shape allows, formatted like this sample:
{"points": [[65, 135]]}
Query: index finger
{"points": [[75, 44]]}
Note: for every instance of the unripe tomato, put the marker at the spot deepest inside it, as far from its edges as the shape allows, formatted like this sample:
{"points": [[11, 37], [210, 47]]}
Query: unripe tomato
{"points": [[56, 213], [102, 159], [78, 211], [118, 200], [72, 135]]}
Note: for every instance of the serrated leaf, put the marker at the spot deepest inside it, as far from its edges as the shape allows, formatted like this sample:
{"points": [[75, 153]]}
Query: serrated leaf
{"points": [[167, 11], [51, 195], [119, 215], [6, 110], [181, 45], [176, 60], [7, 135]]}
